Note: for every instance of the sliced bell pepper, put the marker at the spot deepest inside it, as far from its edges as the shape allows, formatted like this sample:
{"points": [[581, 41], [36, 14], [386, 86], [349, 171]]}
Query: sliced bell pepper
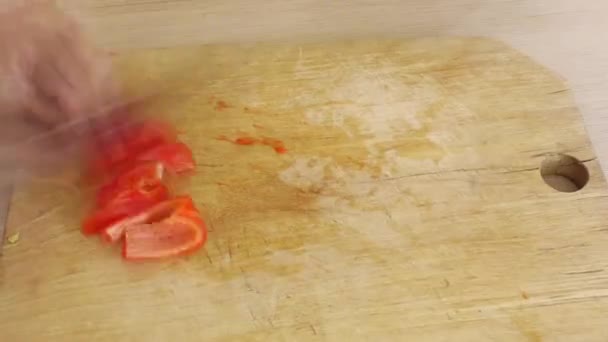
{"points": [[176, 157], [173, 236], [135, 204], [173, 227], [142, 179], [125, 204], [118, 147]]}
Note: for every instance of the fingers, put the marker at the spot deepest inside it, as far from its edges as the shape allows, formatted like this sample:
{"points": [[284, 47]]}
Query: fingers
{"points": [[61, 82], [72, 83], [52, 86], [63, 69]]}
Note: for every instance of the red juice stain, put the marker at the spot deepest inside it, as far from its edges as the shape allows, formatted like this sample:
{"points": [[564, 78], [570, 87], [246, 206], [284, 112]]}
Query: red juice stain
{"points": [[245, 141], [221, 105], [276, 144], [280, 150]]}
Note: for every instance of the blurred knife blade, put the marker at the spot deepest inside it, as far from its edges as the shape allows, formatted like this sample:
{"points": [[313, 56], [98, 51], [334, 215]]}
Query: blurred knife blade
{"points": [[106, 124], [11, 175], [6, 194]]}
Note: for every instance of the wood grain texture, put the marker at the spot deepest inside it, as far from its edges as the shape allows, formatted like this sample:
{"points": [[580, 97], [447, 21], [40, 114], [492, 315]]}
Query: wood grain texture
{"points": [[565, 35], [409, 206]]}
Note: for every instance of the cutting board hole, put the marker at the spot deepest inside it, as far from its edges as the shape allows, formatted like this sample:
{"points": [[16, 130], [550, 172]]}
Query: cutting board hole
{"points": [[564, 173]]}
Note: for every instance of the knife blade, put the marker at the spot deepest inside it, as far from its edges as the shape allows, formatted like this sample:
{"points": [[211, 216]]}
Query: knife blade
{"points": [[6, 194], [10, 176], [151, 95]]}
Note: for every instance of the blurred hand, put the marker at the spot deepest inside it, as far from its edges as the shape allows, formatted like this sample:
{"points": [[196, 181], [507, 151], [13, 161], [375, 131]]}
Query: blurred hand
{"points": [[52, 85]]}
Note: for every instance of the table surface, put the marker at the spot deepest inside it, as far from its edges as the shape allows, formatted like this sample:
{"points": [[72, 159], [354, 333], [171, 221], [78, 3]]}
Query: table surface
{"points": [[566, 36]]}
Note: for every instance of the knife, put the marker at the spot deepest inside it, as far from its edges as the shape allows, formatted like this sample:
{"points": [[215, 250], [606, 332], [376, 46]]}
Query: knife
{"points": [[6, 193], [7, 188], [151, 95]]}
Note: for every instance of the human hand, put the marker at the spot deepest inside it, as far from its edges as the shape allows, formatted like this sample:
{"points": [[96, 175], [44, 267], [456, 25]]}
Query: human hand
{"points": [[52, 85]]}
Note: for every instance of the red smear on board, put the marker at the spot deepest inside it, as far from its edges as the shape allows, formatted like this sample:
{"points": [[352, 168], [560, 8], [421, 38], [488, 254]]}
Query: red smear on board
{"points": [[220, 105], [276, 144]]}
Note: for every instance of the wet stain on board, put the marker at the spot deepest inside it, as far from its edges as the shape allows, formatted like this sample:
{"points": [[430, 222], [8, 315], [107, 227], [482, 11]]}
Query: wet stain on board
{"points": [[277, 145]]}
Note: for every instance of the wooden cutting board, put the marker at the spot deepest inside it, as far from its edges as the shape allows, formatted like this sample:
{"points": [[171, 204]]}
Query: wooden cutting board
{"points": [[410, 205]]}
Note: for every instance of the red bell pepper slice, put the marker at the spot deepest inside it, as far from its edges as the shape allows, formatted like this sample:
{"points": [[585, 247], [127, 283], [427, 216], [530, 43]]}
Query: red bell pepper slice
{"points": [[176, 157], [142, 179], [170, 228], [117, 147], [127, 195], [125, 204]]}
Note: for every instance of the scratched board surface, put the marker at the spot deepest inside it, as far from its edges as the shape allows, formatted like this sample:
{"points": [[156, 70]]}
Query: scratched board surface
{"points": [[407, 203]]}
